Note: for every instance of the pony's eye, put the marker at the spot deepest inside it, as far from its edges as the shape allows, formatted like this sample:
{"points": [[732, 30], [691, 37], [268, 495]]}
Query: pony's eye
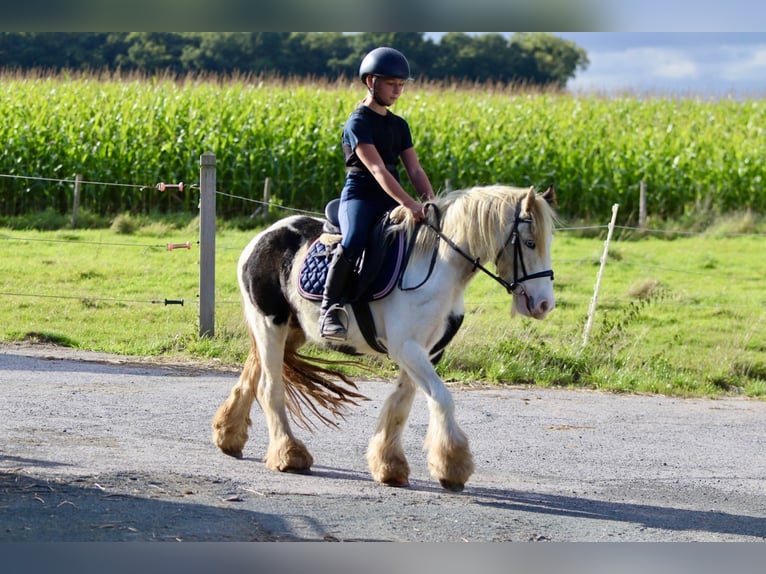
{"points": [[529, 243]]}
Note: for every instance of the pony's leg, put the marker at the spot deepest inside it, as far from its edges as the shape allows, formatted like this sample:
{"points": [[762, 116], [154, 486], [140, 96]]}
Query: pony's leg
{"points": [[285, 452], [385, 455], [233, 417], [449, 456]]}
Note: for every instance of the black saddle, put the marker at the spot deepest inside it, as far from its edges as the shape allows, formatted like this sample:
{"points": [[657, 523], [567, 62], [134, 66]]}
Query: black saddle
{"points": [[332, 223]]}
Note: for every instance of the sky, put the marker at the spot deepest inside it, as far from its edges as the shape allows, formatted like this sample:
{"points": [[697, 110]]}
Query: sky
{"points": [[707, 48], [704, 64], [680, 63]]}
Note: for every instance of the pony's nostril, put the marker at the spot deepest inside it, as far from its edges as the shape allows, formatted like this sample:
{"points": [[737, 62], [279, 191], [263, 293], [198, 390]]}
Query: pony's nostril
{"points": [[544, 305]]}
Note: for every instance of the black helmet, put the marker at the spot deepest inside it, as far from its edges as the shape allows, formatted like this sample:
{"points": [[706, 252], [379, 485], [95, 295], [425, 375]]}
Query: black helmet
{"points": [[385, 62]]}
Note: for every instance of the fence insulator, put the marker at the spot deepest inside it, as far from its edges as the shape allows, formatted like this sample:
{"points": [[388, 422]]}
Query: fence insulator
{"points": [[168, 302], [172, 246], [163, 186]]}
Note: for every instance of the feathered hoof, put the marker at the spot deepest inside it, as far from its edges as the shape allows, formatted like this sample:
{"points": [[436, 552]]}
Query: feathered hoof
{"points": [[397, 482], [296, 470], [452, 486], [291, 456], [233, 453]]}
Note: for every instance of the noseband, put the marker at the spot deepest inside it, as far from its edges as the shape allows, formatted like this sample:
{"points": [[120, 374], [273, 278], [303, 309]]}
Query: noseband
{"points": [[518, 256]]}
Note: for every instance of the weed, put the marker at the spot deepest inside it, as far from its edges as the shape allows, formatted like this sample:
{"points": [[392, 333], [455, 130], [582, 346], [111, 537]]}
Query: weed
{"points": [[124, 224]]}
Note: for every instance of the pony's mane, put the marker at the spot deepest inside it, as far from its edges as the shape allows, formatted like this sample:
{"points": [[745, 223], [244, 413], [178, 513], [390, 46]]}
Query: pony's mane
{"points": [[473, 217]]}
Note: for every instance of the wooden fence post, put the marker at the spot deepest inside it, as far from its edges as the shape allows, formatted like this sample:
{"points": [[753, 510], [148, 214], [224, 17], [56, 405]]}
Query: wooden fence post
{"points": [[207, 245], [642, 206], [76, 199]]}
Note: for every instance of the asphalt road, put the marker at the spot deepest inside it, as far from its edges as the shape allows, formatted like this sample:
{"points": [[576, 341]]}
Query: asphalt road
{"points": [[103, 448]]}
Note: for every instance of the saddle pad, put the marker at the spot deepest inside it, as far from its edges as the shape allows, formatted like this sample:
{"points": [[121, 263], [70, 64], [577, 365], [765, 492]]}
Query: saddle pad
{"points": [[314, 272]]}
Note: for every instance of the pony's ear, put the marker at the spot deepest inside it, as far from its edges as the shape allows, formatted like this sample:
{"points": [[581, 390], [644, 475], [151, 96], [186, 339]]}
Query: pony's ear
{"points": [[528, 200], [549, 195]]}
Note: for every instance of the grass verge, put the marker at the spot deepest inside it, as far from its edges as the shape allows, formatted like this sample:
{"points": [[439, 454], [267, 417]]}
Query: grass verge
{"points": [[684, 316]]}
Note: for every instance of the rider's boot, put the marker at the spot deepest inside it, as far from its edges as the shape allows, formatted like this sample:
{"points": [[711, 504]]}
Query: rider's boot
{"points": [[331, 326]]}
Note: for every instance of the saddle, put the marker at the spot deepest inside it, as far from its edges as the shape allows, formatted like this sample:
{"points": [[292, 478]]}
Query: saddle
{"points": [[376, 273]]}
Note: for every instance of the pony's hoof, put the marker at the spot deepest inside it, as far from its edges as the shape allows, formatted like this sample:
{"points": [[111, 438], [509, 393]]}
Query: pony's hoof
{"points": [[233, 453], [400, 482], [296, 470], [452, 486]]}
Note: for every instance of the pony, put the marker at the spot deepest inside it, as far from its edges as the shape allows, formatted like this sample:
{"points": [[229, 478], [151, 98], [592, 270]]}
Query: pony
{"points": [[510, 226]]}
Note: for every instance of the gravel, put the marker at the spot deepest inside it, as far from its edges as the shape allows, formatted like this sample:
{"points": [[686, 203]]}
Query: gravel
{"points": [[97, 447]]}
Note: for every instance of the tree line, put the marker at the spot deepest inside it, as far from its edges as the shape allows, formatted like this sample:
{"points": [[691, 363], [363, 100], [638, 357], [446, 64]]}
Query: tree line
{"points": [[529, 58]]}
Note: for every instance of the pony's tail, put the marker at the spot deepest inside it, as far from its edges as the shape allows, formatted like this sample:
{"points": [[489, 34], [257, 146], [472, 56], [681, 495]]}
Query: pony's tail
{"points": [[311, 392]]}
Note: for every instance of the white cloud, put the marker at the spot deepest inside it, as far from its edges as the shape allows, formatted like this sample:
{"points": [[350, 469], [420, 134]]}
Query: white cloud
{"points": [[698, 64], [666, 63], [744, 63], [641, 68]]}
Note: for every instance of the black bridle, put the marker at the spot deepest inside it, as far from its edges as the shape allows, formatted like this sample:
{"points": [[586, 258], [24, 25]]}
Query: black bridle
{"points": [[518, 257]]}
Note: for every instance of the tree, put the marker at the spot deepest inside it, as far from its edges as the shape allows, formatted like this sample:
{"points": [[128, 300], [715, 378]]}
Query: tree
{"points": [[316, 53], [52, 50], [154, 52], [484, 59], [530, 58], [219, 52], [551, 60]]}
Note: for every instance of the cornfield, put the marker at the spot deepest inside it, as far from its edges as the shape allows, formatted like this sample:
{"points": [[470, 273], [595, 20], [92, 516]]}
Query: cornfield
{"points": [[141, 131]]}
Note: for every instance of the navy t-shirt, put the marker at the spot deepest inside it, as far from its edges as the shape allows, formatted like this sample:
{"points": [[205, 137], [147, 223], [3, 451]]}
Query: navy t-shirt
{"points": [[390, 135], [363, 201]]}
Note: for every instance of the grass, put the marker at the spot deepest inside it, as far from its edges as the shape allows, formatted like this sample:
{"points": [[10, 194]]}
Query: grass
{"points": [[683, 316]]}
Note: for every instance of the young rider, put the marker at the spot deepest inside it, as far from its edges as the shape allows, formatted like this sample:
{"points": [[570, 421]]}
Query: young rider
{"points": [[374, 141]]}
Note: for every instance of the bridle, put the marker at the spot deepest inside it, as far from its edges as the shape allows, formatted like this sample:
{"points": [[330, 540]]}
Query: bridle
{"points": [[518, 256]]}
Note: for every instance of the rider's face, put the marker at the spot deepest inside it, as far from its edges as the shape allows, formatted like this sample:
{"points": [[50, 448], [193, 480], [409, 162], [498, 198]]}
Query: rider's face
{"points": [[388, 90]]}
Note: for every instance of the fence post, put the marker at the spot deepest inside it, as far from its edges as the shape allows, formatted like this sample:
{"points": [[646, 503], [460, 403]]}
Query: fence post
{"points": [[642, 206], [207, 245], [76, 199], [266, 199], [592, 309]]}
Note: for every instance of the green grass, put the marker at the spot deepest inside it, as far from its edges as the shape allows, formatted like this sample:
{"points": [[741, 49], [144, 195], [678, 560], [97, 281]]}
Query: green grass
{"points": [[683, 316]]}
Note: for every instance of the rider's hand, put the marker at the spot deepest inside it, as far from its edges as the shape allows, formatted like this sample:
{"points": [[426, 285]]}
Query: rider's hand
{"points": [[417, 209]]}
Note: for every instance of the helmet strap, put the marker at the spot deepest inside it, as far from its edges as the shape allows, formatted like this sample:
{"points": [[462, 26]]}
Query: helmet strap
{"points": [[374, 91]]}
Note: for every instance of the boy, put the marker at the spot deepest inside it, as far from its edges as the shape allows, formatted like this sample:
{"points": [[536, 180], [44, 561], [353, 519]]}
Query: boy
{"points": [[374, 141]]}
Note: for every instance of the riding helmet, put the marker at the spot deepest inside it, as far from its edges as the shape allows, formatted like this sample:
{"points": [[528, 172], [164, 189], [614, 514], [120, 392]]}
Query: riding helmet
{"points": [[385, 62]]}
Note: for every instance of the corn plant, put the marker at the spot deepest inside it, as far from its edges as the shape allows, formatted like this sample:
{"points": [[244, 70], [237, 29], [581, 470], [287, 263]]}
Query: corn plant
{"points": [[137, 132]]}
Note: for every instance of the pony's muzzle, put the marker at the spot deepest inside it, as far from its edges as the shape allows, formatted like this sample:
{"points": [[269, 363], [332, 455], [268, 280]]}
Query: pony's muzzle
{"points": [[539, 308], [531, 306]]}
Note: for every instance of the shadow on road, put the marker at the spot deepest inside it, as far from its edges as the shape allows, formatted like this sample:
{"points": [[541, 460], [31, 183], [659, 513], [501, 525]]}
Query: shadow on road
{"points": [[79, 510], [664, 518]]}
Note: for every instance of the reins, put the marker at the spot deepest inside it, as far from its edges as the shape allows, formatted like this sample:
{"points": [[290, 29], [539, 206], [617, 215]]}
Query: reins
{"points": [[518, 256], [410, 248]]}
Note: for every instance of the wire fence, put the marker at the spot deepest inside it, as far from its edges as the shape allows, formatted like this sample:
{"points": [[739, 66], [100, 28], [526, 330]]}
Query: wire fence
{"points": [[266, 206]]}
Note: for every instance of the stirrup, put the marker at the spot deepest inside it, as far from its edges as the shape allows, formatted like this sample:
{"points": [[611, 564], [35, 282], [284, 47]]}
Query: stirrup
{"points": [[332, 327]]}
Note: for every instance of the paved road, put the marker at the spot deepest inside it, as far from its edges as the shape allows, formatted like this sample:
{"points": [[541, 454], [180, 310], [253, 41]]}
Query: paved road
{"points": [[103, 448]]}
